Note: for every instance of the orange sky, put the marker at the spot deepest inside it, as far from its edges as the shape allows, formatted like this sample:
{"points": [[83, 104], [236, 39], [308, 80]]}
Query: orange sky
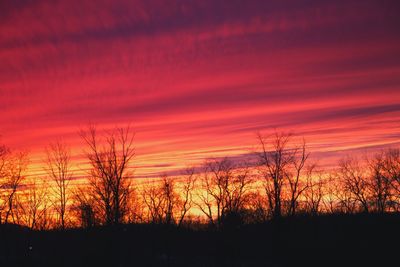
{"points": [[198, 79]]}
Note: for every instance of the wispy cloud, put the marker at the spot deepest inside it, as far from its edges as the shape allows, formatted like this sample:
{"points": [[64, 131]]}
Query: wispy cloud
{"points": [[197, 79]]}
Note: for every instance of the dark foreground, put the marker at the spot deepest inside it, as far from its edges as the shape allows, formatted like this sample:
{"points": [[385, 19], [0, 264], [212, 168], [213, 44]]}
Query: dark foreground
{"points": [[351, 240]]}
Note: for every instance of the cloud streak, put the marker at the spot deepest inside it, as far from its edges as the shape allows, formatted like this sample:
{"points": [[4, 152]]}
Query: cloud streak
{"points": [[197, 79]]}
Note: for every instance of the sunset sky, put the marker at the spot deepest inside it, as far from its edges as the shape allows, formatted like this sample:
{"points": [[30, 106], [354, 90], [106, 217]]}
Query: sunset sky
{"points": [[198, 79]]}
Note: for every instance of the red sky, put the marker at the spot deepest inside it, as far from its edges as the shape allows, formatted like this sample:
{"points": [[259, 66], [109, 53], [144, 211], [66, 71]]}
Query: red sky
{"points": [[198, 79]]}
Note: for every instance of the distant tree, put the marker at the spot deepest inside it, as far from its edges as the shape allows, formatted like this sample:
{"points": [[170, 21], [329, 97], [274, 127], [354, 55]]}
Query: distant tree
{"points": [[314, 193], [137, 213], [153, 198], [224, 190], [4, 155], [391, 168], [355, 183], [274, 160], [238, 192], [212, 193], [380, 182], [165, 202], [13, 168], [169, 199], [330, 200], [345, 200], [258, 206], [295, 173], [109, 178], [35, 204], [185, 199], [59, 170], [84, 207]]}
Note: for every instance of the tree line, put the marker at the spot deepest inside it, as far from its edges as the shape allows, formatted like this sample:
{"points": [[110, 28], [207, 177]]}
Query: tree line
{"points": [[281, 181]]}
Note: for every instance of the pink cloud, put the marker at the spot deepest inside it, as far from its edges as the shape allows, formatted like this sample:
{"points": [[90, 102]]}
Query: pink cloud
{"points": [[197, 79]]}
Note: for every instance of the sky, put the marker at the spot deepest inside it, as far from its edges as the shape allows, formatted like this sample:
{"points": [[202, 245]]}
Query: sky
{"points": [[199, 79]]}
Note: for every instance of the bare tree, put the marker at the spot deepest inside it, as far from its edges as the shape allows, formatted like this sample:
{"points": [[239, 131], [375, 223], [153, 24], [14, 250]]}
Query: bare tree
{"points": [[152, 195], [259, 208], [185, 202], [224, 190], [167, 204], [13, 175], [136, 207], [275, 159], [296, 186], [206, 201], [355, 182], [380, 182], [330, 200], [84, 207], [169, 199], [4, 156], [59, 170], [314, 191], [345, 201], [237, 190], [216, 179], [35, 204], [109, 177], [391, 166]]}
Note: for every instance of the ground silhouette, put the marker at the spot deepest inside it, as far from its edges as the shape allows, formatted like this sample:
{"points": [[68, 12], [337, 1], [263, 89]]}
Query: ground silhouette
{"points": [[331, 240]]}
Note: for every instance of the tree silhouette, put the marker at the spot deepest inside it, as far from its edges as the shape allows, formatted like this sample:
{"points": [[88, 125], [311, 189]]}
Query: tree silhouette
{"points": [[380, 183], [185, 201], [391, 166], [224, 190], [13, 168], [109, 177], [293, 175], [227, 193], [314, 193], [355, 182], [35, 204], [153, 198], [4, 154], [59, 170], [84, 207], [274, 161], [165, 203]]}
